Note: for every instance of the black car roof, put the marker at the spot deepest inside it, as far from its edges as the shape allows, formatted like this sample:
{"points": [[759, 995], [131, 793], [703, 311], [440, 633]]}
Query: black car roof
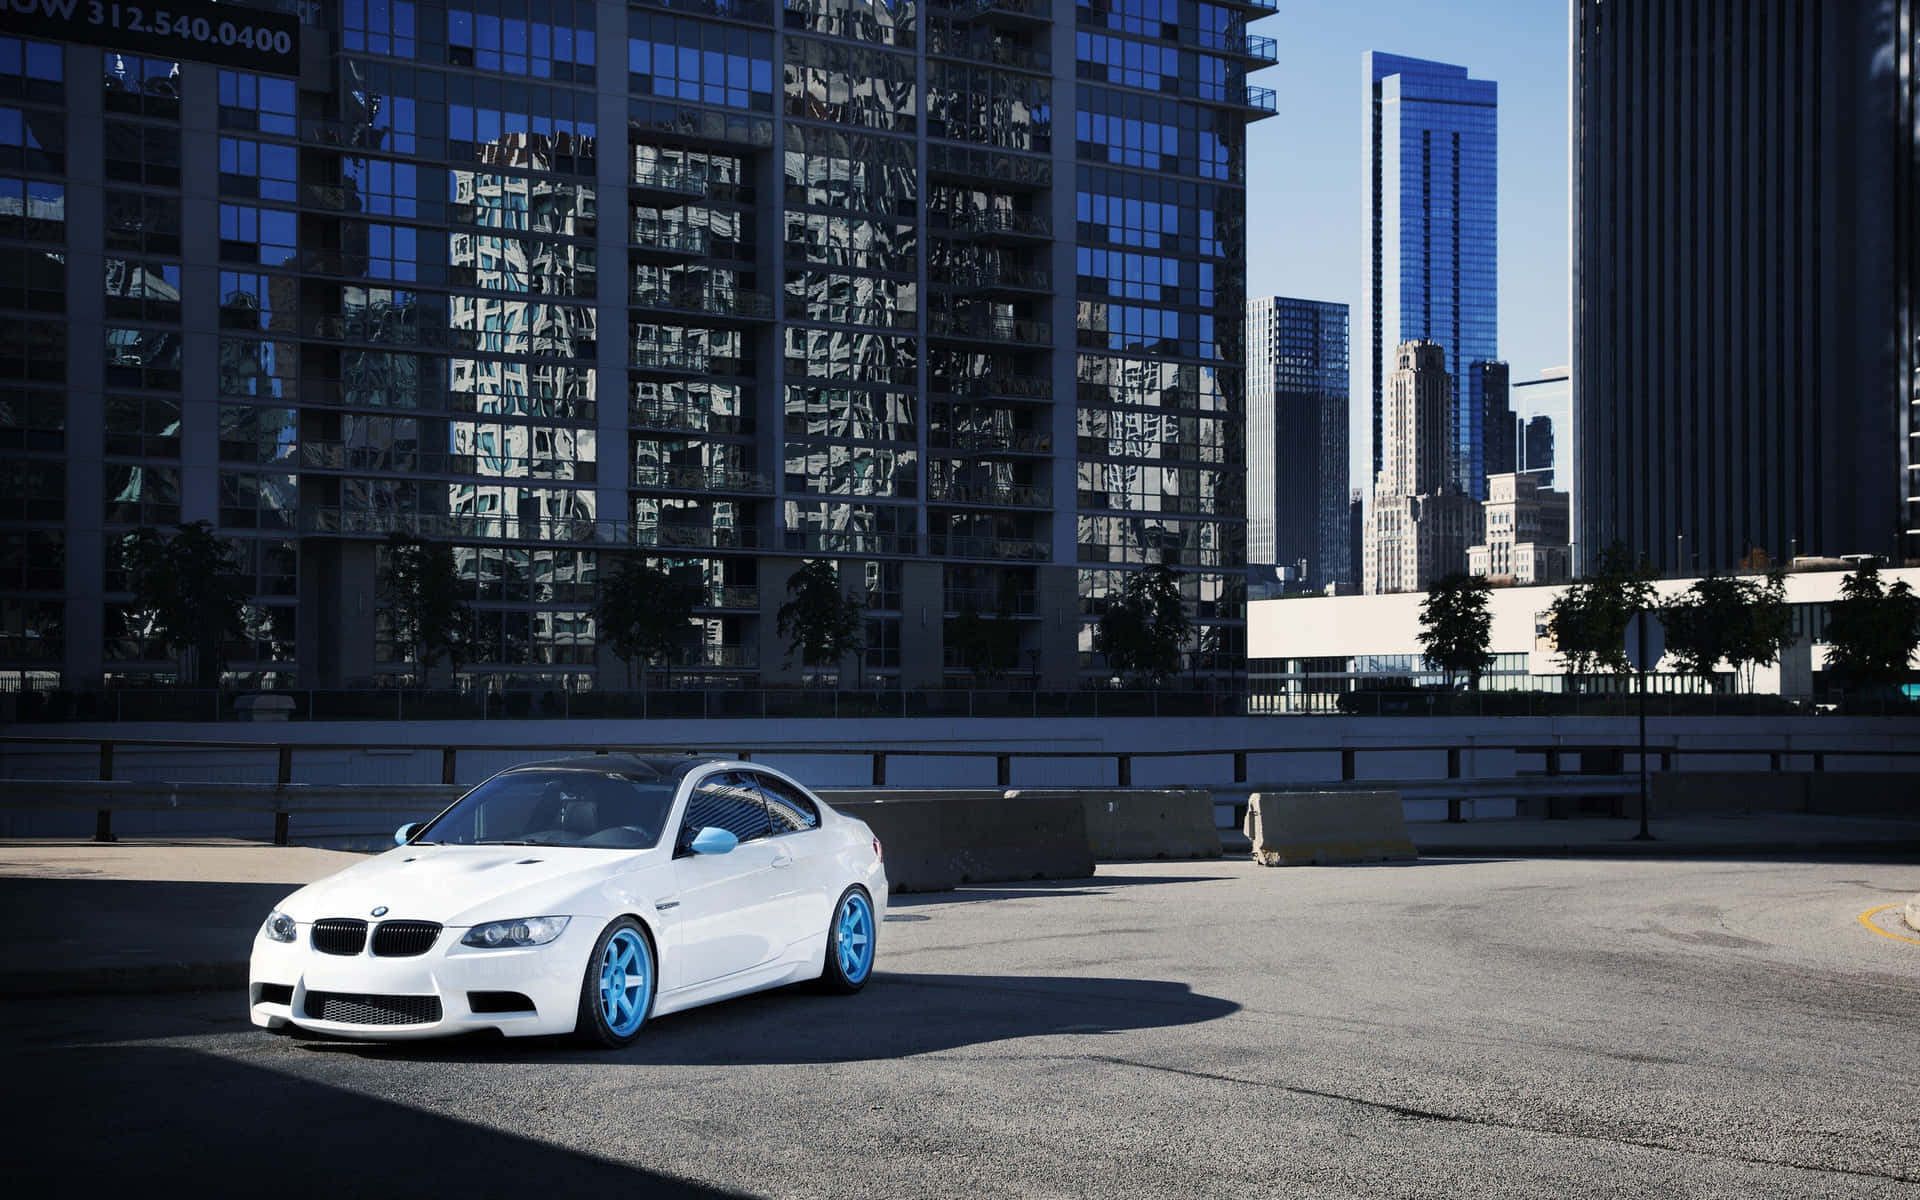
{"points": [[633, 766]]}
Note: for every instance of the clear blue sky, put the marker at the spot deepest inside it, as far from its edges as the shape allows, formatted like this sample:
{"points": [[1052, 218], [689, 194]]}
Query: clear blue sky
{"points": [[1304, 166]]}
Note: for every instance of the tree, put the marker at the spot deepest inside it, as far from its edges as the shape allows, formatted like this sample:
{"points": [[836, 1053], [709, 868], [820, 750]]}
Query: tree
{"points": [[984, 647], [1872, 631], [191, 585], [1143, 628], [1724, 619], [642, 613], [824, 624], [421, 588], [1588, 622], [1456, 629]]}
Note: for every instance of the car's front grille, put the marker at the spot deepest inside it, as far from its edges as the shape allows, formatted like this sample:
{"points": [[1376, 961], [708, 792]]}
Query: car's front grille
{"points": [[340, 935], [404, 939], [352, 1008]]}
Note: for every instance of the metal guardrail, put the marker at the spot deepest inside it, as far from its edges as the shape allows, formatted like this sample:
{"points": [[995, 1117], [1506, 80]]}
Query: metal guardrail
{"points": [[105, 794]]}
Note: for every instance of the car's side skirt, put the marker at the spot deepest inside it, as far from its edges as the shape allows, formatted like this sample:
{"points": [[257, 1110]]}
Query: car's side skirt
{"points": [[803, 960]]}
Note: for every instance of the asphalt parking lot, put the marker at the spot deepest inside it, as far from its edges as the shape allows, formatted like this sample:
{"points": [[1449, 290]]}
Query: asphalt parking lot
{"points": [[1451, 1028]]}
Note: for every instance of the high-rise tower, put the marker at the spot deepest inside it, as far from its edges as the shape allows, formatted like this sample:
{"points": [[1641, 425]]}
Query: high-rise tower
{"points": [[1428, 145], [1297, 401]]}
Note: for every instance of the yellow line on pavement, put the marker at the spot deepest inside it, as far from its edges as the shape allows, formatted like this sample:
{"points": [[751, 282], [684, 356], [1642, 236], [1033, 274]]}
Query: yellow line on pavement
{"points": [[1866, 918]]}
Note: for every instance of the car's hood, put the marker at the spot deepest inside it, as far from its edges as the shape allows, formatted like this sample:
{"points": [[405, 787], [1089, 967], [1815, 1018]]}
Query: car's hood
{"points": [[459, 885]]}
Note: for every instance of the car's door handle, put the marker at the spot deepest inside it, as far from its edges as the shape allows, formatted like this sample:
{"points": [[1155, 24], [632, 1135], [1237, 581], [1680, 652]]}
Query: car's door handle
{"points": [[782, 858]]}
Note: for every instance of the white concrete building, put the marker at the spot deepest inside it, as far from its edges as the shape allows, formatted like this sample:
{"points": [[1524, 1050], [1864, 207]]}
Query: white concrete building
{"points": [[1421, 521], [1303, 652]]}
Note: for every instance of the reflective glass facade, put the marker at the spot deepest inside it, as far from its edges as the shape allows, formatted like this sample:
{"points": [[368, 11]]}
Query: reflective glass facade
{"points": [[1297, 403], [723, 283], [1429, 143]]}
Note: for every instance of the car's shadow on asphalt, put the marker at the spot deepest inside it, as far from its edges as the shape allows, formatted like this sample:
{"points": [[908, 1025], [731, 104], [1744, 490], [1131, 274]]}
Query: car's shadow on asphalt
{"points": [[898, 1015], [171, 1121]]}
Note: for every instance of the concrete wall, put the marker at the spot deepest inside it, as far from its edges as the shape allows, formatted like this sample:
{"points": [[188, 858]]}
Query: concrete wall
{"points": [[837, 761]]}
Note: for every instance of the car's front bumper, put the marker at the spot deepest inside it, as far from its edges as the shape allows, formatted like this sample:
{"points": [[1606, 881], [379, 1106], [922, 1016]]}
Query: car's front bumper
{"points": [[548, 976]]}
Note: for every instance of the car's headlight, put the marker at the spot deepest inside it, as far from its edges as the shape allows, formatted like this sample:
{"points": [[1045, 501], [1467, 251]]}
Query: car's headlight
{"points": [[279, 926], [522, 931]]}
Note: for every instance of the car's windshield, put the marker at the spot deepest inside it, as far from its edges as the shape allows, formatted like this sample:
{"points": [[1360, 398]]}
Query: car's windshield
{"points": [[548, 806]]}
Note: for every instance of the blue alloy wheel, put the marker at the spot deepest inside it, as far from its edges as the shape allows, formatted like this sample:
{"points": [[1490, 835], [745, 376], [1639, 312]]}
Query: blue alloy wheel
{"points": [[626, 981], [617, 993], [850, 943]]}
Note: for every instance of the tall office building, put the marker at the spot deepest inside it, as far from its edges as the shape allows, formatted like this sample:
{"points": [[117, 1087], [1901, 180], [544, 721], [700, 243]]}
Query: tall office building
{"points": [[1499, 450], [1297, 402], [1746, 242], [1420, 523], [1535, 436], [1430, 181], [724, 284]]}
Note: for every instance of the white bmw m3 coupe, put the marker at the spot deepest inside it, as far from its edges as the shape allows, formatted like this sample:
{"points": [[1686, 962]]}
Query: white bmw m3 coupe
{"points": [[580, 895]]}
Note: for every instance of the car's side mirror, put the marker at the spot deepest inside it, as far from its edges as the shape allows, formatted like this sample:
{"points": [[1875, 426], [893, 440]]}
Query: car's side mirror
{"points": [[406, 831], [714, 840]]}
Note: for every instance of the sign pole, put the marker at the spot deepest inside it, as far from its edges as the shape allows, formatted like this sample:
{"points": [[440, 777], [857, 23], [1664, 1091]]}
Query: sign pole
{"points": [[1644, 835]]}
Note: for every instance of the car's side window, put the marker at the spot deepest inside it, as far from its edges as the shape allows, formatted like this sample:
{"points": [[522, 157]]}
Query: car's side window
{"points": [[725, 801], [787, 806]]}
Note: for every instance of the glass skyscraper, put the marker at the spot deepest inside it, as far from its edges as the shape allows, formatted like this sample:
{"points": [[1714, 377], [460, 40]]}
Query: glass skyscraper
{"points": [[1297, 402], [825, 278], [1428, 143]]}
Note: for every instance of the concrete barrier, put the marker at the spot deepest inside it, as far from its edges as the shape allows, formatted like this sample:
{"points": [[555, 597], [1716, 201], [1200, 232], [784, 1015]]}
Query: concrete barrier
{"points": [[1135, 823], [1295, 829], [1912, 914], [936, 840]]}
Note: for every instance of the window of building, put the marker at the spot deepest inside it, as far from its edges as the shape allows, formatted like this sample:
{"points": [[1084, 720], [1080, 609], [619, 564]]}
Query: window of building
{"points": [[142, 223], [33, 351], [138, 494], [257, 102], [33, 210], [33, 560], [148, 154], [247, 301], [32, 630], [33, 489], [31, 70], [257, 501], [35, 280], [32, 420], [145, 358], [559, 46], [378, 26], [148, 87], [257, 235], [33, 139], [143, 426], [142, 291], [258, 170]]}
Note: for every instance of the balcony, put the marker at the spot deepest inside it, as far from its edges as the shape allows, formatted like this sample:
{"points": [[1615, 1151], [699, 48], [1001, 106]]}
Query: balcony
{"points": [[664, 179], [1258, 100], [992, 495], [992, 600], [729, 304], [685, 418], [697, 537], [1002, 12], [990, 549], [1254, 47], [666, 240], [996, 278], [669, 477], [981, 166], [992, 224], [951, 43], [670, 360], [848, 541], [734, 658], [344, 522], [992, 441], [1001, 385], [993, 329]]}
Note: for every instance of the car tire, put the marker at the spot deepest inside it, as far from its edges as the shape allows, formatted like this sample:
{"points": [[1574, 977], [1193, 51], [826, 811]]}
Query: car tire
{"points": [[852, 938], [615, 1000]]}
